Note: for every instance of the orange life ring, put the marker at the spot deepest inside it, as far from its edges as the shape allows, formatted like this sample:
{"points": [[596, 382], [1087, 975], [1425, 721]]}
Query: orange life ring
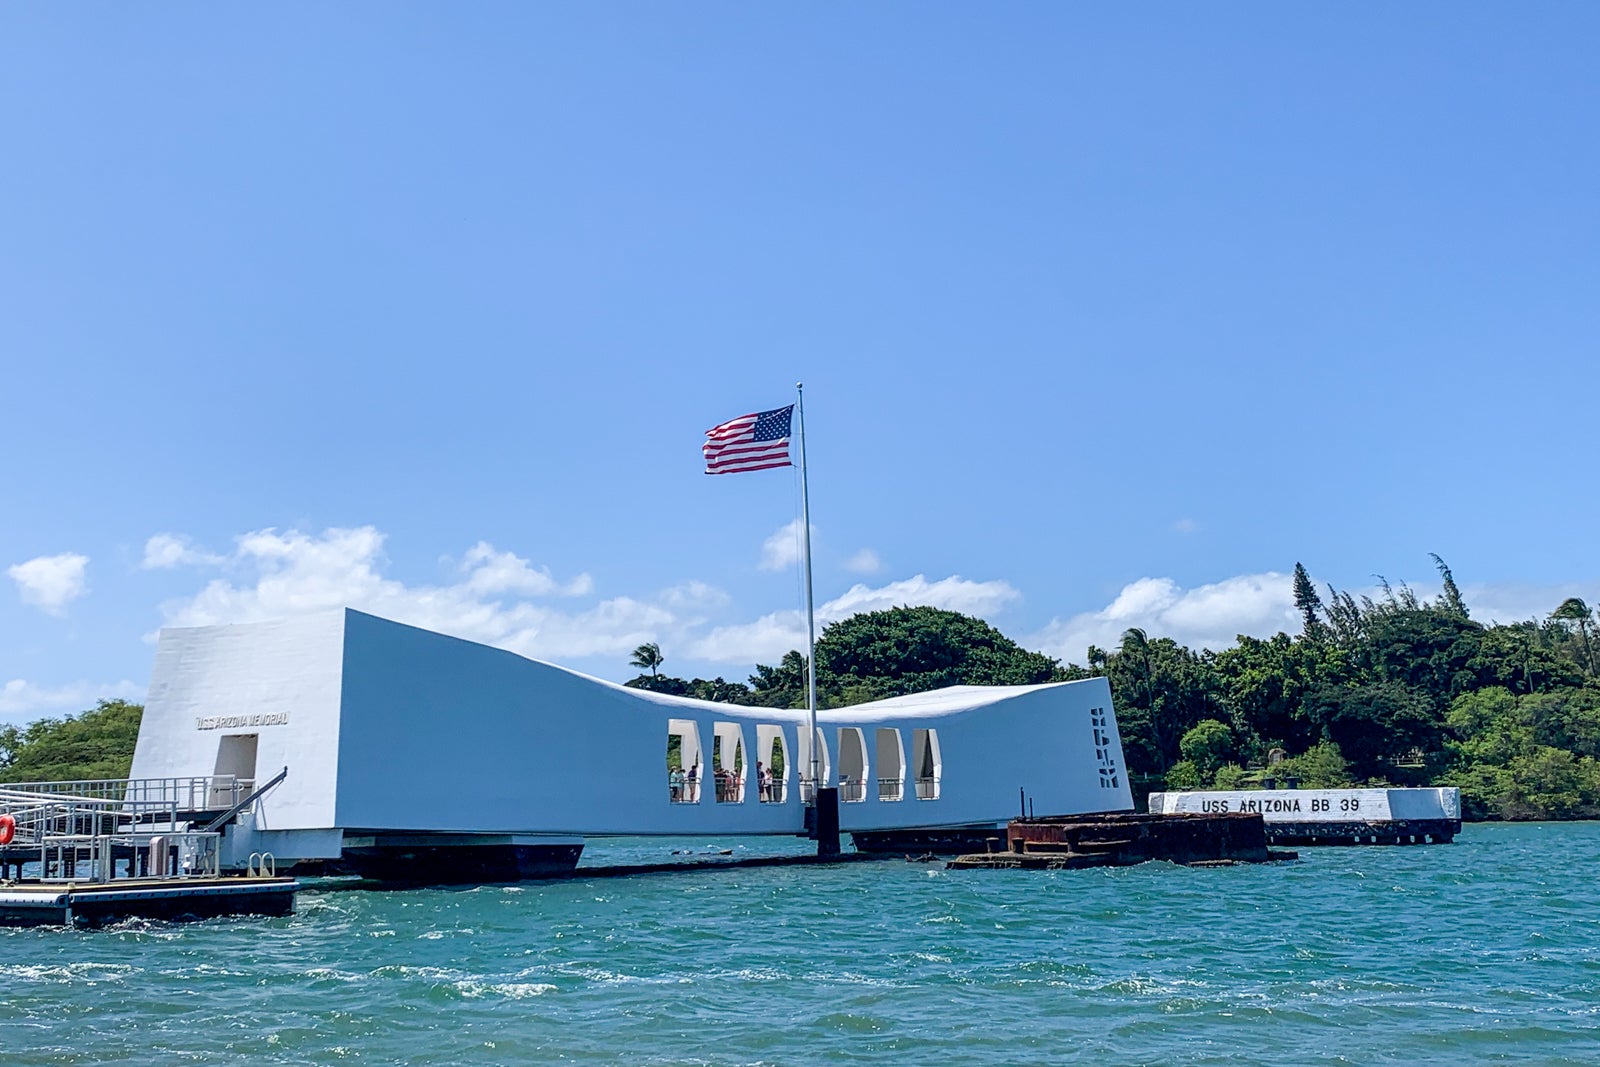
{"points": [[8, 829]]}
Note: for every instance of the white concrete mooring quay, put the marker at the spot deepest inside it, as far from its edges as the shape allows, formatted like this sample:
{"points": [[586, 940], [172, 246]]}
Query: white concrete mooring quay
{"points": [[1410, 816]]}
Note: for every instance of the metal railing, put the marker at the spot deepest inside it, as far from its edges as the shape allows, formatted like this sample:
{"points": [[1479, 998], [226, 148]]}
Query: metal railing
{"points": [[729, 789], [94, 857], [83, 836], [37, 816], [199, 793], [852, 790], [891, 788], [682, 789], [928, 788]]}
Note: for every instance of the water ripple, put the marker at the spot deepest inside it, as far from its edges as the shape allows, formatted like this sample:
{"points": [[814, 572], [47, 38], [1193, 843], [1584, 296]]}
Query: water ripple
{"points": [[1484, 951]]}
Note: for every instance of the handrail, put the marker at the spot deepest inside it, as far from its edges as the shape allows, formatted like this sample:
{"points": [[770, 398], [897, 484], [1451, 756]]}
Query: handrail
{"points": [[92, 857], [192, 793], [227, 816]]}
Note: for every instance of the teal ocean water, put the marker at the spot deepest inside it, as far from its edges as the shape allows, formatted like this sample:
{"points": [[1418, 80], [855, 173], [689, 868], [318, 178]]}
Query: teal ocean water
{"points": [[1485, 951]]}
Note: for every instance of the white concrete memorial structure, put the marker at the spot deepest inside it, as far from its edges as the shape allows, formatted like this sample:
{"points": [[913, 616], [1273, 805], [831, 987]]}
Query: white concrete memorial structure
{"points": [[415, 755]]}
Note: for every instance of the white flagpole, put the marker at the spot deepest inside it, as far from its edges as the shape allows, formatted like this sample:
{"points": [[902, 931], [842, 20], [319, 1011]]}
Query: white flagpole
{"points": [[811, 620]]}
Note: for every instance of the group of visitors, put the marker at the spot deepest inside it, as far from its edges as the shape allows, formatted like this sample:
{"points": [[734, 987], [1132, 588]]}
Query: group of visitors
{"points": [[683, 785], [730, 787]]}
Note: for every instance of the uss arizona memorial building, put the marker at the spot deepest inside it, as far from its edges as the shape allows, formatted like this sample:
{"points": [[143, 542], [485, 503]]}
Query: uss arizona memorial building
{"points": [[405, 746]]}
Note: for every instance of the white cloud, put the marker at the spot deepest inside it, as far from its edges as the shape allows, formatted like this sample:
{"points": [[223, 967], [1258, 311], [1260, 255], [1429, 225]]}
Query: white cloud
{"points": [[954, 593], [1207, 616], [501, 599], [22, 701], [1508, 602], [763, 641], [51, 582], [865, 561], [769, 637], [1260, 605], [695, 596], [493, 597], [1186, 526], [492, 573], [781, 550], [275, 574], [164, 551]]}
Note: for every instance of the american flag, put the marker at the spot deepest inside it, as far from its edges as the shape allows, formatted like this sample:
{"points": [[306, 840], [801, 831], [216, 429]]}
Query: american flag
{"points": [[749, 443]]}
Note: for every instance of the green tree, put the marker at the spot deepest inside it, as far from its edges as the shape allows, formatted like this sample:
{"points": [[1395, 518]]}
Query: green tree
{"points": [[1322, 766], [1374, 725], [1160, 690], [915, 649], [1231, 776], [1517, 658], [723, 692], [1450, 601], [903, 650], [1514, 758], [1185, 775], [1427, 651], [98, 743], [1551, 783], [648, 657], [1308, 602], [783, 686], [1263, 685], [1573, 610], [1207, 746]]}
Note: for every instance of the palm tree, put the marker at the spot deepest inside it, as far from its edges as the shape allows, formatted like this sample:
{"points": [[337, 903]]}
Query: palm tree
{"points": [[1573, 609], [648, 657]]}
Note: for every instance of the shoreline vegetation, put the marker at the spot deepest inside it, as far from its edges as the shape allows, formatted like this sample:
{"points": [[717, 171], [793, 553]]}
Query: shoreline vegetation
{"points": [[1392, 690]]}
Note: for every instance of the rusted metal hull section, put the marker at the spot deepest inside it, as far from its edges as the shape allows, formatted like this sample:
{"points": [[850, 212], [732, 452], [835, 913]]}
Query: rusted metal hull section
{"points": [[1116, 840], [937, 841]]}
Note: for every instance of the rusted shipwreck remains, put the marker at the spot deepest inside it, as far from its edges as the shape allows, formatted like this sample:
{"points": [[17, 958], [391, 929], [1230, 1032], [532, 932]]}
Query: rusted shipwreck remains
{"points": [[1119, 839]]}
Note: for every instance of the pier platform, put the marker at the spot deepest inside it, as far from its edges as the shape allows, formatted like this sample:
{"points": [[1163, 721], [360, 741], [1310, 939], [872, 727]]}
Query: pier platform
{"points": [[89, 853], [36, 903]]}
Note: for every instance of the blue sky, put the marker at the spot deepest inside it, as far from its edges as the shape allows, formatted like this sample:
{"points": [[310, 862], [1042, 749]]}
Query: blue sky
{"points": [[1107, 315]]}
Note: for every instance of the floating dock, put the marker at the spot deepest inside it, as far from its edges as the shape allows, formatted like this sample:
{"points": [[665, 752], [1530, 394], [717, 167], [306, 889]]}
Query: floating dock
{"points": [[36, 903], [1333, 816], [1073, 842], [84, 855]]}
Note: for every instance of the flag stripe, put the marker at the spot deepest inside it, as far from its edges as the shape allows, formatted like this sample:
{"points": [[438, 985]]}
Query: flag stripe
{"points": [[742, 447], [744, 461], [758, 441], [732, 427], [769, 461], [748, 455], [755, 467]]}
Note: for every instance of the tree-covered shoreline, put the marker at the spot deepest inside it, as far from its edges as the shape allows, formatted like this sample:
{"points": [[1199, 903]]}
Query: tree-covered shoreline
{"points": [[1393, 689]]}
